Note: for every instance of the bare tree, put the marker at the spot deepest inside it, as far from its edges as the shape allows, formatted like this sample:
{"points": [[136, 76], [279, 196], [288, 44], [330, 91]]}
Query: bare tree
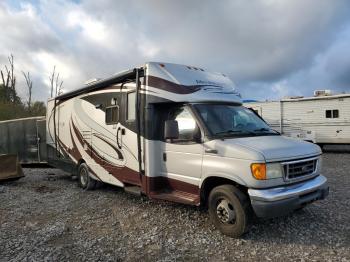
{"points": [[58, 84], [52, 79], [55, 82], [9, 81], [30, 86]]}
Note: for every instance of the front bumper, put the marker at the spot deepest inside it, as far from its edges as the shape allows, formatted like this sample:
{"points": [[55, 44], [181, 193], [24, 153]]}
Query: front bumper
{"points": [[279, 201]]}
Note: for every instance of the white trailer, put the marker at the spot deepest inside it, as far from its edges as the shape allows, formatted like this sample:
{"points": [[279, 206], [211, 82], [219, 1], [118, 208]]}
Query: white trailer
{"points": [[180, 133], [320, 119]]}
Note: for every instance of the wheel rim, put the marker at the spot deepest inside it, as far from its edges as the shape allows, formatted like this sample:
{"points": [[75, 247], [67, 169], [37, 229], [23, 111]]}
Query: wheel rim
{"points": [[83, 176], [225, 212]]}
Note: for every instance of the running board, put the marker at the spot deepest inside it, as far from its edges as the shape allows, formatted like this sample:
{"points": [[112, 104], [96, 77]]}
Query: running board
{"points": [[178, 196], [135, 190]]}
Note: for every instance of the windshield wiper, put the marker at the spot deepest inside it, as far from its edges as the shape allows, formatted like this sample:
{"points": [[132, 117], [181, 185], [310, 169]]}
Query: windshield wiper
{"points": [[228, 132], [264, 129]]}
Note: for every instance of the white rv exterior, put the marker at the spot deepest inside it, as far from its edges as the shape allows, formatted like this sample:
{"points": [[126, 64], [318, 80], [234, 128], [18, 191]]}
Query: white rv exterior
{"points": [[322, 119], [180, 133]]}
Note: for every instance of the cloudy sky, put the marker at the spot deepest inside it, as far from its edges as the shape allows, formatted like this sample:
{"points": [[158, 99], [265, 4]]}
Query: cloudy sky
{"points": [[270, 48]]}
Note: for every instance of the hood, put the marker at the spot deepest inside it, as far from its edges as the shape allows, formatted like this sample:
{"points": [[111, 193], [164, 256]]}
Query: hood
{"points": [[272, 148]]}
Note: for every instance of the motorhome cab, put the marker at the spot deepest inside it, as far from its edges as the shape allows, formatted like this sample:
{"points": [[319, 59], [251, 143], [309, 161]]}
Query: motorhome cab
{"points": [[180, 133]]}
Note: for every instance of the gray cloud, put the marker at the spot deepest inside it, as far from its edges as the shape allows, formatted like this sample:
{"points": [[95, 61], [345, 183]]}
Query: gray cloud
{"points": [[269, 48]]}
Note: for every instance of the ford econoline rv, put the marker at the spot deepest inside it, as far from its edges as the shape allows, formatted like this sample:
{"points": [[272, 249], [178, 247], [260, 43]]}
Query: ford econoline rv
{"points": [[180, 133]]}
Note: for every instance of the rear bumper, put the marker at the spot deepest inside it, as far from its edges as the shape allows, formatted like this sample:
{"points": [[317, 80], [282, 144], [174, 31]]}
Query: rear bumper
{"points": [[282, 200]]}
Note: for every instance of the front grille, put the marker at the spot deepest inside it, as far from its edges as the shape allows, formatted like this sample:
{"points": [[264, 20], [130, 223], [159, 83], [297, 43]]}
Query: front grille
{"points": [[297, 169]]}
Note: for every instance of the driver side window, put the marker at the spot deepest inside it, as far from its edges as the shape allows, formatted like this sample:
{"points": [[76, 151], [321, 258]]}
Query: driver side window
{"points": [[188, 129]]}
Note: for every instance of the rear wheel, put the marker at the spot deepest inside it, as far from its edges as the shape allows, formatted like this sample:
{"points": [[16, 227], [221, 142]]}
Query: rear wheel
{"points": [[84, 179], [229, 210]]}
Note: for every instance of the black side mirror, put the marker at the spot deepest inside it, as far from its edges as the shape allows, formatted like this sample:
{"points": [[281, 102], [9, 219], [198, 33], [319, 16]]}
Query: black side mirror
{"points": [[171, 129], [98, 106], [197, 137]]}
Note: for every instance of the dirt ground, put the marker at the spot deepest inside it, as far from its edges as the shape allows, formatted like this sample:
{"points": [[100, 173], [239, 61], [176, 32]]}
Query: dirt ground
{"points": [[46, 216]]}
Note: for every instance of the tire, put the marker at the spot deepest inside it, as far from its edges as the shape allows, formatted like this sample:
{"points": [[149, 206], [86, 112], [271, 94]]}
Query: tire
{"points": [[84, 179], [230, 210]]}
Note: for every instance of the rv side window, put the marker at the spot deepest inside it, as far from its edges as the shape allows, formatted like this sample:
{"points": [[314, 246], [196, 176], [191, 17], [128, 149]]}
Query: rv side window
{"points": [[131, 114], [335, 113], [332, 113], [112, 115]]}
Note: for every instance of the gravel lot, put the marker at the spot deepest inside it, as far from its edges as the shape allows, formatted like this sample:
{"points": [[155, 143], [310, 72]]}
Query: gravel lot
{"points": [[45, 216]]}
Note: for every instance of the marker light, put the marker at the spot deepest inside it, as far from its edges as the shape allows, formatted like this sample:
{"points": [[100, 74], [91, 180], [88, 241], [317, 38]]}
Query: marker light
{"points": [[259, 171]]}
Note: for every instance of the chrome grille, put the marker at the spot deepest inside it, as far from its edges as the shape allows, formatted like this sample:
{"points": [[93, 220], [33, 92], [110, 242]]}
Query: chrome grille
{"points": [[300, 168]]}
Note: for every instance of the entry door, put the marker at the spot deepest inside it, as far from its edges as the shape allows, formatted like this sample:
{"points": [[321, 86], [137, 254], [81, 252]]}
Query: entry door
{"points": [[182, 158]]}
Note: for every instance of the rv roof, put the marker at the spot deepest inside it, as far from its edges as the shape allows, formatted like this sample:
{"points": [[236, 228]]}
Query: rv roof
{"points": [[316, 97], [181, 82], [300, 99]]}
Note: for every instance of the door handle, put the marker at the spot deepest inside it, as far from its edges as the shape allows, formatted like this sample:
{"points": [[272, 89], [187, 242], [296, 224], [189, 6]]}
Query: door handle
{"points": [[164, 157], [211, 151]]}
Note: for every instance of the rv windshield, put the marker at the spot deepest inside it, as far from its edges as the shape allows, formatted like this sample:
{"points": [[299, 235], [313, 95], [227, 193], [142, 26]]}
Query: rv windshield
{"points": [[224, 120]]}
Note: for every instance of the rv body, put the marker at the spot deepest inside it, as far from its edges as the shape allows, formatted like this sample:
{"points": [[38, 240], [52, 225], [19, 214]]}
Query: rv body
{"points": [[322, 119], [175, 132]]}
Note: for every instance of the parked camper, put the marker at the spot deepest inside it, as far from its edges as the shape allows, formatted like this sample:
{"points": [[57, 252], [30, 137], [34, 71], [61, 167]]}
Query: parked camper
{"points": [[180, 133], [322, 119]]}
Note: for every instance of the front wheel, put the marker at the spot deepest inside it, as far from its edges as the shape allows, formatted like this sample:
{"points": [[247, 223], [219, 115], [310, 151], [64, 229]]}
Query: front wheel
{"points": [[229, 210], [84, 179]]}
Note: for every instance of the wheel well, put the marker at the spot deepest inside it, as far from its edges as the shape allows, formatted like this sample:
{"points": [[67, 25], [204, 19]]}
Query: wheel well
{"points": [[211, 182]]}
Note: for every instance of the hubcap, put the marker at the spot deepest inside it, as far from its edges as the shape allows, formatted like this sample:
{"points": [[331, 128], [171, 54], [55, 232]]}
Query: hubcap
{"points": [[83, 176], [225, 212]]}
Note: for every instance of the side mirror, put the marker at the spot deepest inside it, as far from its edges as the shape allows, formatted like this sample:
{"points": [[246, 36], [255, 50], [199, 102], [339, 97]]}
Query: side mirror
{"points": [[98, 106], [171, 129], [197, 137]]}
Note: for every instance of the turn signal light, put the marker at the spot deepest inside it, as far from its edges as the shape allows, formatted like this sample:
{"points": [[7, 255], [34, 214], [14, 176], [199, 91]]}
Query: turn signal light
{"points": [[259, 171]]}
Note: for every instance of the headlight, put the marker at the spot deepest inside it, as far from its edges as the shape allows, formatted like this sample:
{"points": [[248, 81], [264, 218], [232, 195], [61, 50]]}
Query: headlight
{"points": [[262, 171], [274, 170]]}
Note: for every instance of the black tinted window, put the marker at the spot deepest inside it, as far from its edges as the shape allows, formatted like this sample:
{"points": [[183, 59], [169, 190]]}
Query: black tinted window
{"points": [[335, 113], [112, 115], [332, 113]]}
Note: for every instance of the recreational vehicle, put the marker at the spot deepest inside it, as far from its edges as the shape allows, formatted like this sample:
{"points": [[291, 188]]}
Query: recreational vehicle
{"points": [[180, 133], [322, 119]]}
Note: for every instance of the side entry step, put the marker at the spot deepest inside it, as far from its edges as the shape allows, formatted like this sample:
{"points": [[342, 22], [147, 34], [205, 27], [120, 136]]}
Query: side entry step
{"points": [[135, 190], [178, 196]]}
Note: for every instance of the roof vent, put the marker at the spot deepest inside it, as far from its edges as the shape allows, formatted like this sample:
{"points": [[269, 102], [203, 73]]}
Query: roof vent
{"points": [[325, 92]]}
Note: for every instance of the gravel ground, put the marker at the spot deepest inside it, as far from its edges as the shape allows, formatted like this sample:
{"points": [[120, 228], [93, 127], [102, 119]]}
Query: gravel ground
{"points": [[45, 216]]}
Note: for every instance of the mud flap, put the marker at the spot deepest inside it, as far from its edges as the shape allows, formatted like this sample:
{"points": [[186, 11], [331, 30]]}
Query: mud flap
{"points": [[10, 167]]}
